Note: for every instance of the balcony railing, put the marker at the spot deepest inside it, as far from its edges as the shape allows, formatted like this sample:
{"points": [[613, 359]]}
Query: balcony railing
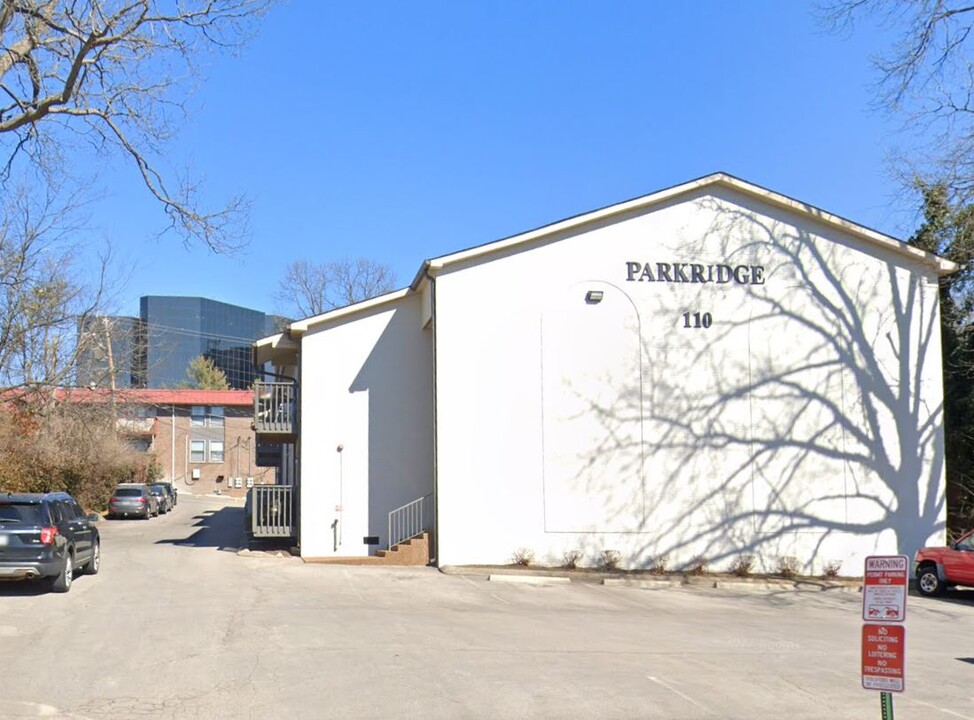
{"points": [[270, 511], [135, 426], [275, 408]]}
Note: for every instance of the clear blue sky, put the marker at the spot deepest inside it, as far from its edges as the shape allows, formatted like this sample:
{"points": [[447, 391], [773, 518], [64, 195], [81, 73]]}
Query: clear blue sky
{"points": [[401, 131]]}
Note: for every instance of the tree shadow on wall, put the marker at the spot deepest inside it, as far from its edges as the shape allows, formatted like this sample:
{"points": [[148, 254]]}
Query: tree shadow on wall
{"points": [[798, 418]]}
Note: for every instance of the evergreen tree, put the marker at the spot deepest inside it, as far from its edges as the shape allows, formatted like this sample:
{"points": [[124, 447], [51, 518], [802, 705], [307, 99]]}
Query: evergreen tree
{"points": [[205, 375], [948, 230]]}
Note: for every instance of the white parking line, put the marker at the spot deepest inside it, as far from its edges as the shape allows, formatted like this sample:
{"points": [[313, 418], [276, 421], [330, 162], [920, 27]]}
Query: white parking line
{"points": [[678, 693]]}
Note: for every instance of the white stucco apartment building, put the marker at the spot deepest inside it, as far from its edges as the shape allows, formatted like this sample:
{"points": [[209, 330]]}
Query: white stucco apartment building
{"points": [[709, 371]]}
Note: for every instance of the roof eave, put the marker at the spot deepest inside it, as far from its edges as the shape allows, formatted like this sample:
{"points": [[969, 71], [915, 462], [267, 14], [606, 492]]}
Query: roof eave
{"points": [[277, 349], [300, 327], [938, 264]]}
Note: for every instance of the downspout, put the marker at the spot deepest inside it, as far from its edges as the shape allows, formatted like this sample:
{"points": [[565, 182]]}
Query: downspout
{"points": [[279, 376], [436, 455]]}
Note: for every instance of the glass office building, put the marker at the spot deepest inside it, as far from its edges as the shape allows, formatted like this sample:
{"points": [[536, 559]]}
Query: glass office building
{"points": [[155, 349], [178, 329]]}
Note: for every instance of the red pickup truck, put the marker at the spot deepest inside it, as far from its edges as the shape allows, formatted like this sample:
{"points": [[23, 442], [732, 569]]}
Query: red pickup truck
{"points": [[937, 568]]}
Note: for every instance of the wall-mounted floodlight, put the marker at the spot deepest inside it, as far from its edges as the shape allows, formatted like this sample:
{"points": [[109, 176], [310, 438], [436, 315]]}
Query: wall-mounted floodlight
{"points": [[593, 297]]}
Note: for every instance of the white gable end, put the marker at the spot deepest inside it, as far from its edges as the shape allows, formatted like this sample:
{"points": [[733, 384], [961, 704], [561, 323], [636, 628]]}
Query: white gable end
{"points": [[737, 388]]}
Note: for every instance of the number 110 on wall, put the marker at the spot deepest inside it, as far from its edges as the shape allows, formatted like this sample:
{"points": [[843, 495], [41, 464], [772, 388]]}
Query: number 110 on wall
{"points": [[697, 320]]}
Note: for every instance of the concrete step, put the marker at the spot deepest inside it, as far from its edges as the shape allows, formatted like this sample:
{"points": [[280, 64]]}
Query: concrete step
{"points": [[414, 551]]}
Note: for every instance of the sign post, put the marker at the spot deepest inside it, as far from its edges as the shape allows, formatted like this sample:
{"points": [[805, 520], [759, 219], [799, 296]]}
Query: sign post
{"points": [[883, 642], [886, 705]]}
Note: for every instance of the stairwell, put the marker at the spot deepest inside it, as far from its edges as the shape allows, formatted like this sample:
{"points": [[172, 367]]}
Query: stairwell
{"points": [[415, 551]]}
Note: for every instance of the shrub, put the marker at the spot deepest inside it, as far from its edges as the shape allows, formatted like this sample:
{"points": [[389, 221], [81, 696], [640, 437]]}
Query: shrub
{"points": [[743, 565], [69, 446], [610, 559], [697, 566], [788, 566], [523, 557], [659, 564], [831, 569], [154, 472], [570, 559]]}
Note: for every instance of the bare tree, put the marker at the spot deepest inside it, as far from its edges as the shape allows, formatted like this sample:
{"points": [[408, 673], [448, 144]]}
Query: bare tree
{"points": [[825, 429], [42, 301], [313, 288], [114, 73], [928, 76]]}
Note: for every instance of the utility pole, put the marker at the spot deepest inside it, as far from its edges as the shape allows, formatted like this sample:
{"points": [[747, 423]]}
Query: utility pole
{"points": [[111, 370]]}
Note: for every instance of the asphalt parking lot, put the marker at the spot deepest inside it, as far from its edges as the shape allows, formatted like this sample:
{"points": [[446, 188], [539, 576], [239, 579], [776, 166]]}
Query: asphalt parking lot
{"points": [[178, 625]]}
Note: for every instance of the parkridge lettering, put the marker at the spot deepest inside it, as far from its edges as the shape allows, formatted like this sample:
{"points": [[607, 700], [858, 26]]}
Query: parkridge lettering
{"points": [[694, 273]]}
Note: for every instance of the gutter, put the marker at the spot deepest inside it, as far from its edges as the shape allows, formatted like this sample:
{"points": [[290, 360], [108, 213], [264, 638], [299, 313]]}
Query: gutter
{"points": [[425, 272]]}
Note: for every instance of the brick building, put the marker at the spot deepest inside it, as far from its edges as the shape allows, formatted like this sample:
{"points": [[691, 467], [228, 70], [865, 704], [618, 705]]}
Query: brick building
{"points": [[202, 439]]}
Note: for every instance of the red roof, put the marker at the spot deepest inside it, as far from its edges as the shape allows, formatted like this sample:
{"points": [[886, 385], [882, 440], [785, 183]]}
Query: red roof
{"points": [[160, 396]]}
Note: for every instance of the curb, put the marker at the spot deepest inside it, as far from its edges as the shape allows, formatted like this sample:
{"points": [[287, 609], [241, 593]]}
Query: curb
{"points": [[529, 579], [540, 576], [645, 584]]}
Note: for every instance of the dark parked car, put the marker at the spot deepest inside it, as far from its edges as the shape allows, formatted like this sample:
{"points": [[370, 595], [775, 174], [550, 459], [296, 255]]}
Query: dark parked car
{"points": [[170, 488], [133, 500], [162, 497], [47, 537]]}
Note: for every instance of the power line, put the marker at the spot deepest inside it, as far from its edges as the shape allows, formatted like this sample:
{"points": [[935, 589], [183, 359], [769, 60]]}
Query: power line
{"points": [[188, 332]]}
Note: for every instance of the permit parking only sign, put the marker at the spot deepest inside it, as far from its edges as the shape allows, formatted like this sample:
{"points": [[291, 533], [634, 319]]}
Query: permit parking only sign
{"points": [[883, 650], [884, 588]]}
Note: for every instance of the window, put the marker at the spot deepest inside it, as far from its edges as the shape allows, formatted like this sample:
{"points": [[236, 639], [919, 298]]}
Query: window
{"points": [[216, 451], [60, 512], [197, 451], [127, 492], [207, 416], [198, 417], [21, 514]]}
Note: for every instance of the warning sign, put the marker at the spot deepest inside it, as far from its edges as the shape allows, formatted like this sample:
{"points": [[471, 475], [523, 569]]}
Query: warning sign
{"points": [[884, 588], [883, 653]]}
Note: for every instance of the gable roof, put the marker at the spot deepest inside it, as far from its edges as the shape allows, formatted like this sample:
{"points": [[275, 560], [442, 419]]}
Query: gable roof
{"points": [[268, 347], [300, 326], [715, 180]]}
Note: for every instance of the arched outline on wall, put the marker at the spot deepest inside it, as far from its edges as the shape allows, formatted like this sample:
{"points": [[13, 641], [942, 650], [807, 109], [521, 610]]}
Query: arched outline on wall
{"points": [[548, 307]]}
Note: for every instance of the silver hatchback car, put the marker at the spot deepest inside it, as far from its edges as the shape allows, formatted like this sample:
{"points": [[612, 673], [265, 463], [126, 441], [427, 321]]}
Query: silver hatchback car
{"points": [[133, 500]]}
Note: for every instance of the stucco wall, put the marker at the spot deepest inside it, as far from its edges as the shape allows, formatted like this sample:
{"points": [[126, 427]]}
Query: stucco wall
{"points": [[366, 389], [803, 421]]}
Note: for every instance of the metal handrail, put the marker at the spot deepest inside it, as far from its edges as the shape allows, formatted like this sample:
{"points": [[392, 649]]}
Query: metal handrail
{"points": [[410, 520]]}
